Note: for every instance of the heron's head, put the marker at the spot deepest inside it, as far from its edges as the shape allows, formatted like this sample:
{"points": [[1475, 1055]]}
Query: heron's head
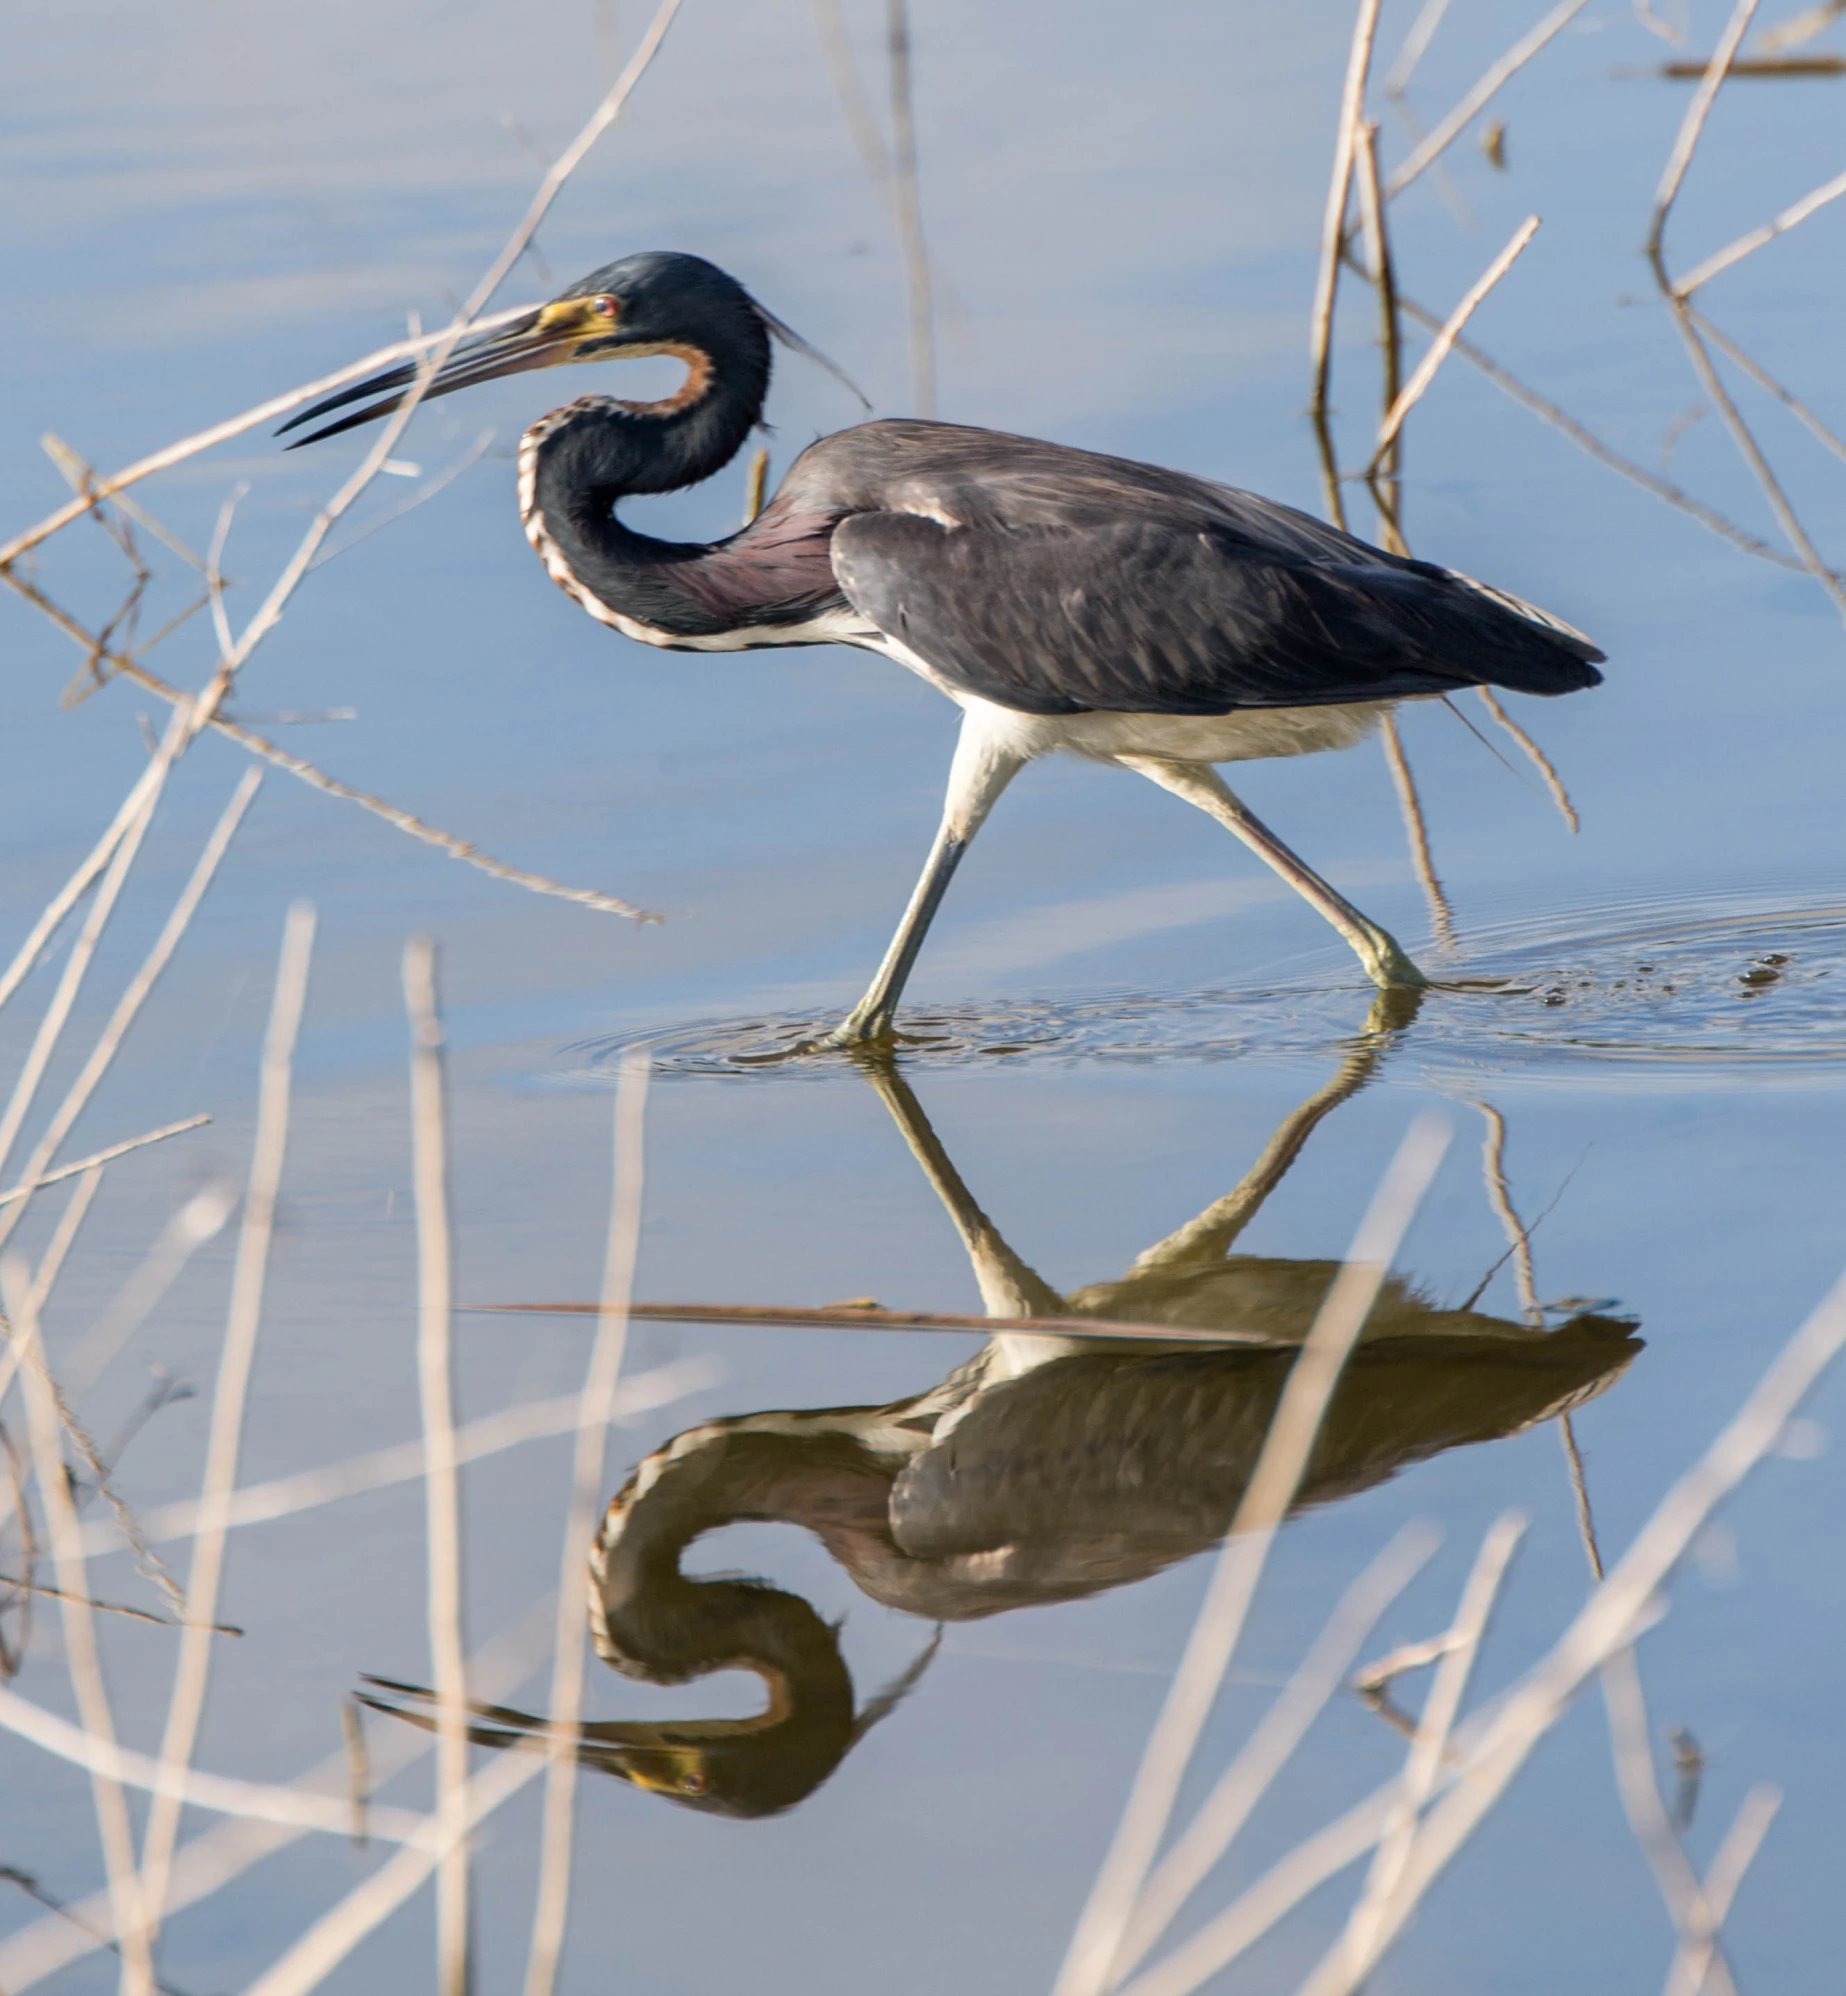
{"points": [[656, 302]]}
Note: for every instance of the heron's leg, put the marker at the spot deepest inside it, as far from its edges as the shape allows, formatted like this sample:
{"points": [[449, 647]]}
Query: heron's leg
{"points": [[1198, 783], [982, 768]]}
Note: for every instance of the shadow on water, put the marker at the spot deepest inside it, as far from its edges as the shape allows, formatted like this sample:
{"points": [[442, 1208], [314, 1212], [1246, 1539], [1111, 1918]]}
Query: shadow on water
{"points": [[1044, 1469], [1651, 984]]}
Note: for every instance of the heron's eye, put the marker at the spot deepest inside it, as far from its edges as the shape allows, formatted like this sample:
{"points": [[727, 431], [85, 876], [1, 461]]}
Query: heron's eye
{"points": [[692, 1782], [604, 307]]}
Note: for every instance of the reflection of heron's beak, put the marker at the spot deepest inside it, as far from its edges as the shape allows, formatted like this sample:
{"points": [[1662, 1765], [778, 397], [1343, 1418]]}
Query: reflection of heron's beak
{"points": [[567, 329]]}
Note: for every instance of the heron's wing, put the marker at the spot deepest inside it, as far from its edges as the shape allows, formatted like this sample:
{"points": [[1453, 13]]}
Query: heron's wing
{"points": [[1172, 616]]}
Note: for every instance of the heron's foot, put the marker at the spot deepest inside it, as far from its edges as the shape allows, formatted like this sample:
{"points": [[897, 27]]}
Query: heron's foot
{"points": [[864, 1030], [1387, 965]]}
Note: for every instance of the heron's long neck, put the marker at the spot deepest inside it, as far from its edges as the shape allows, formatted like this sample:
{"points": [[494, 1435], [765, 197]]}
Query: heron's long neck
{"points": [[578, 463]]}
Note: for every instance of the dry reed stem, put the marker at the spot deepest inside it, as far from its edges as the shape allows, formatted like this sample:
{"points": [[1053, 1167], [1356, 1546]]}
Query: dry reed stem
{"points": [[1611, 1617], [359, 1778], [1377, 234], [74, 888], [270, 1802], [102, 1157], [82, 1653], [456, 848], [599, 1385], [1767, 381], [111, 1607], [1422, 856], [1692, 125], [1333, 225], [1242, 1785], [1457, 121], [135, 993], [334, 1936], [441, 1476], [1691, 1970], [1089, 1965], [869, 1317], [192, 1672], [1580, 1493], [1748, 448], [1425, 370], [438, 482], [1748, 244], [76, 968], [234, 426], [537, 1420], [51, 1262], [1351, 1958], [756, 484], [219, 1855], [1632, 1751], [201, 1219], [1586, 440], [907, 206], [1500, 1199], [1416, 44], [861, 120], [1553, 782]]}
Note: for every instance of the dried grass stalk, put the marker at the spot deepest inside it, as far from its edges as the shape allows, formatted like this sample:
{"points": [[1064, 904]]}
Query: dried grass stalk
{"points": [[599, 1385], [81, 1649], [1746, 245], [1089, 1965], [1692, 126], [192, 1673], [441, 1477], [1333, 224]]}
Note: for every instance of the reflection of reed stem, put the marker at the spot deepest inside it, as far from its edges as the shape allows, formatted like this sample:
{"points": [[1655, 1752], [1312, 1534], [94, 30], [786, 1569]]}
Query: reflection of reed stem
{"points": [[1441, 915], [1554, 783]]}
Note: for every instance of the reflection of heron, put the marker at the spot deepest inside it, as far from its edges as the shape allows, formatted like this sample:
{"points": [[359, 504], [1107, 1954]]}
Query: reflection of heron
{"points": [[1042, 1470], [1064, 601]]}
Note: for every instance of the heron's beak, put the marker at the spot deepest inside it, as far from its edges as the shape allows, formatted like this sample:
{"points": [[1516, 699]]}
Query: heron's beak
{"points": [[567, 329]]}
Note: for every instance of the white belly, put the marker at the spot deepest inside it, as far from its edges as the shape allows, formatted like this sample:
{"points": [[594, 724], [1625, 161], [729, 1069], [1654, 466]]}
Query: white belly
{"points": [[1251, 735]]}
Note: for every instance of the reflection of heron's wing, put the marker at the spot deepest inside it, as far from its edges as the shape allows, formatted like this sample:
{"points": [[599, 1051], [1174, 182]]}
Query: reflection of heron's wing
{"points": [[1102, 1466]]}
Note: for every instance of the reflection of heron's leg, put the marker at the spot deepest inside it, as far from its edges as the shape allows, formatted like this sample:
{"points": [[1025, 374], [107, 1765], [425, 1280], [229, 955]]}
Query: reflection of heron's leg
{"points": [[1008, 1287], [982, 768], [1377, 949], [1210, 1236]]}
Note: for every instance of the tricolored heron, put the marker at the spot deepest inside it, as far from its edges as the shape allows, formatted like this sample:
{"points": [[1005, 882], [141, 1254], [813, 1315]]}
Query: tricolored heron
{"points": [[1044, 1469], [1064, 600]]}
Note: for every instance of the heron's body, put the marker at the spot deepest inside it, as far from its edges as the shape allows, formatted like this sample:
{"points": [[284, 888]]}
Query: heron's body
{"points": [[1065, 600]]}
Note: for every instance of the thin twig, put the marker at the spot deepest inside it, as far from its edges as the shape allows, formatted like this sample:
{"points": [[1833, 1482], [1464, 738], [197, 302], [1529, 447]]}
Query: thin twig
{"points": [[1613, 1614], [1351, 1958], [1410, 805], [1243, 1784], [1767, 381], [1377, 233], [1500, 1199], [1580, 1495], [907, 204], [192, 1672], [135, 993], [1333, 225], [1539, 760], [1416, 42], [1458, 120], [113, 1607], [80, 1643], [1692, 126], [537, 1420], [1746, 245], [599, 1387], [441, 1478], [1586, 440], [1089, 1964], [218, 1855], [1425, 371], [756, 484], [1691, 1970], [101, 1157], [358, 1769]]}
